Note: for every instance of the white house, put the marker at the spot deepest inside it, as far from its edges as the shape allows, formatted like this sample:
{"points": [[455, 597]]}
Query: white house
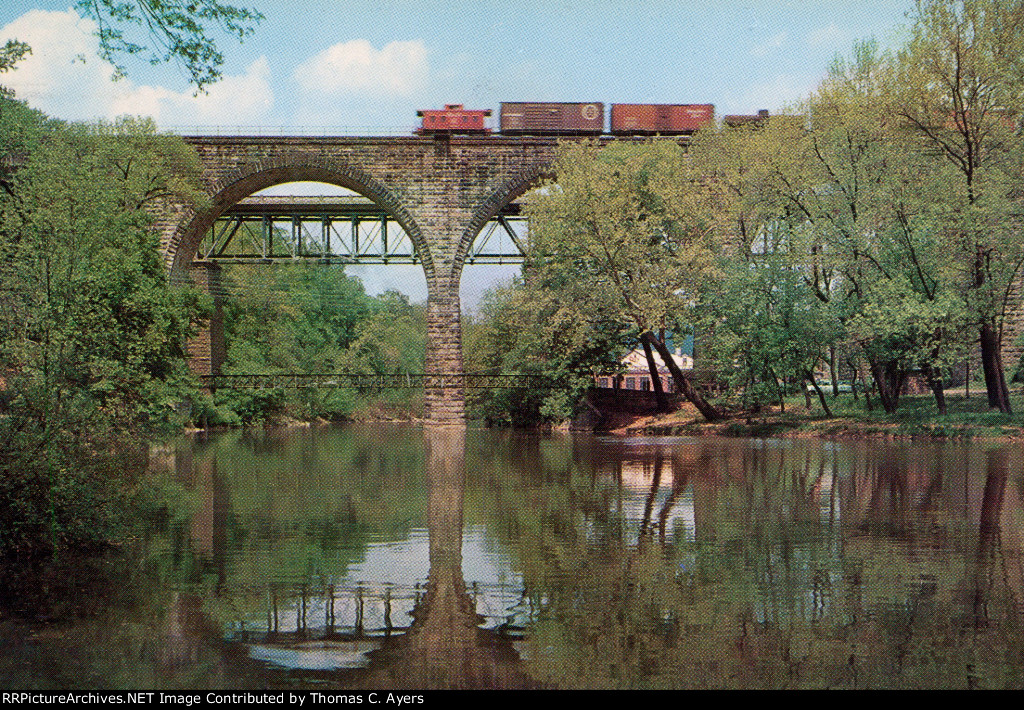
{"points": [[637, 374]]}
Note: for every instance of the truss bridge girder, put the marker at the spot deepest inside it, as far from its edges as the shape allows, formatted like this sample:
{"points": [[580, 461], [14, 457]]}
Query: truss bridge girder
{"points": [[342, 230], [463, 380]]}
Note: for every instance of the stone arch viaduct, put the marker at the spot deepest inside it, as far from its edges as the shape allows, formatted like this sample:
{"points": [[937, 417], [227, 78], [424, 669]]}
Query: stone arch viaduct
{"points": [[441, 191]]}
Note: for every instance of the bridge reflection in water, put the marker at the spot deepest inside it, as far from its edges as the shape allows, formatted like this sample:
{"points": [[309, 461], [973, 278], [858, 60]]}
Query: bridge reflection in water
{"points": [[436, 633], [723, 557]]}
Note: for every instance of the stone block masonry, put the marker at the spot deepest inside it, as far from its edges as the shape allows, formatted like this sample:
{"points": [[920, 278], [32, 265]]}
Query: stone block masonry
{"points": [[441, 191]]}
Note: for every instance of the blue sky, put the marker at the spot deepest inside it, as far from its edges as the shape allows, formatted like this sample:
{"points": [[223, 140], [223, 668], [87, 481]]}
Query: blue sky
{"points": [[373, 64], [366, 67]]}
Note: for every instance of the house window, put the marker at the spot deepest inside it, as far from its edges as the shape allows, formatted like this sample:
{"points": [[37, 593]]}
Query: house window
{"points": [[631, 383], [645, 383]]}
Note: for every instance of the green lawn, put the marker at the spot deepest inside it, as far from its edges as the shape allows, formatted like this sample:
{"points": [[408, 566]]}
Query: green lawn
{"points": [[916, 416]]}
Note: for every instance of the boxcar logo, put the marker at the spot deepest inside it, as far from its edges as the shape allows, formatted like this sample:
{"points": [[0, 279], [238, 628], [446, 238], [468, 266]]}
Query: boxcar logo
{"points": [[589, 112]]}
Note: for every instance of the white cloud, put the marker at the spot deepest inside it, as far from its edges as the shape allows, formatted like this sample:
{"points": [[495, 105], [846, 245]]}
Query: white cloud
{"points": [[235, 100], [55, 79], [769, 45], [399, 68]]}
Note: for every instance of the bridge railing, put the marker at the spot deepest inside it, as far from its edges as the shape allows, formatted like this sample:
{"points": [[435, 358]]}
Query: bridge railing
{"points": [[422, 380], [291, 131]]}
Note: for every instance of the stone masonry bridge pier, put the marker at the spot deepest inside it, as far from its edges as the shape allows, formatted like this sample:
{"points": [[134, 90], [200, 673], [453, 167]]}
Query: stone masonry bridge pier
{"points": [[441, 192]]}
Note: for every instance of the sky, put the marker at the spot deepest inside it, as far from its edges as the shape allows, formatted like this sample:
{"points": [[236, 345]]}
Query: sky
{"points": [[366, 67]]}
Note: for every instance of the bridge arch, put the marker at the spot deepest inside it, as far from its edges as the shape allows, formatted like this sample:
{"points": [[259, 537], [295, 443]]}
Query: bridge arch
{"points": [[441, 193], [256, 176], [513, 188]]}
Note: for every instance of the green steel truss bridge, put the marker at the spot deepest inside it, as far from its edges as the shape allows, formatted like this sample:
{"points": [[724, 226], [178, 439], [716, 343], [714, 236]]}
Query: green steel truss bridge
{"points": [[348, 229], [429, 381]]}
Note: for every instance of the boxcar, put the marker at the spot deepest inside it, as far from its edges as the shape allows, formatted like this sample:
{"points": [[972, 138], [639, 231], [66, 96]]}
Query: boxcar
{"points": [[453, 118], [666, 119], [552, 119]]}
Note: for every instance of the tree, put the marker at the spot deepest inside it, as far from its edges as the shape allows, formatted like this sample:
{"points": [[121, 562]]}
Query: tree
{"points": [[960, 87], [625, 231], [766, 328], [87, 305], [869, 207], [841, 194], [91, 333], [178, 30], [534, 326], [11, 53]]}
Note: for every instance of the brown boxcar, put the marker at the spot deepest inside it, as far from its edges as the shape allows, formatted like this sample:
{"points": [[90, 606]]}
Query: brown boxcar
{"points": [[453, 119], [552, 118], [666, 119]]}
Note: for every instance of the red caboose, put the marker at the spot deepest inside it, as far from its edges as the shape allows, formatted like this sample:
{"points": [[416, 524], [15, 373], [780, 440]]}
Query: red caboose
{"points": [[452, 119]]}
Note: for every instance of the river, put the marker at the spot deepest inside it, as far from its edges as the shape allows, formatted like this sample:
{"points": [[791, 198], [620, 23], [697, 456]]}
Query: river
{"points": [[389, 556]]}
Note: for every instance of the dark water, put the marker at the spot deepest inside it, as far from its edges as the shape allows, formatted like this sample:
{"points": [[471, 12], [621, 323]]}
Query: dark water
{"points": [[390, 556]]}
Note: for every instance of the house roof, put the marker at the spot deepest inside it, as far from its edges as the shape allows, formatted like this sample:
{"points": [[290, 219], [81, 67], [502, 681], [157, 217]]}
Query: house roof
{"points": [[637, 360]]}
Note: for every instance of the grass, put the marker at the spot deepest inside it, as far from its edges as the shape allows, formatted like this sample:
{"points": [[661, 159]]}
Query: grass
{"points": [[916, 417]]}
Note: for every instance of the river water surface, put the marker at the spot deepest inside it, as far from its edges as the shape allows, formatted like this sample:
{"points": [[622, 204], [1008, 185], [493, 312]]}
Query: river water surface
{"points": [[390, 556]]}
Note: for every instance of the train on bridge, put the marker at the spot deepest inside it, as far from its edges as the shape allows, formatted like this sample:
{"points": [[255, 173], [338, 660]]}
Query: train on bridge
{"points": [[577, 119]]}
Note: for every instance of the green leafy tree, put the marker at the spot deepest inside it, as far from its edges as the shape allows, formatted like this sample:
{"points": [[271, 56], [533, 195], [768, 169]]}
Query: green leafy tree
{"points": [[314, 319], [91, 333], [766, 328], [532, 326], [167, 30], [625, 231], [866, 210], [11, 53], [841, 194], [959, 88]]}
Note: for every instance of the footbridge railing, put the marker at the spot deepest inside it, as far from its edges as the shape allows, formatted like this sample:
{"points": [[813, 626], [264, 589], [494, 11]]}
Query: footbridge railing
{"points": [[464, 380]]}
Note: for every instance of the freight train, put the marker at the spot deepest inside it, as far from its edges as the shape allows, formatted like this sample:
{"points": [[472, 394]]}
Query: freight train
{"points": [[577, 119]]}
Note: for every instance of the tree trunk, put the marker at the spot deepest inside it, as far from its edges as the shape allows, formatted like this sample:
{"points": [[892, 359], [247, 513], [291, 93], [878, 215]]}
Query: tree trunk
{"points": [[833, 370], [853, 378], [821, 395], [659, 392], [992, 364], [935, 383], [889, 381], [967, 379], [778, 390], [683, 383]]}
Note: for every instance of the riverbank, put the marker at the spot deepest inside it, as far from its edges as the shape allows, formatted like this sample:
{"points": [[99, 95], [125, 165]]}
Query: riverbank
{"points": [[968, 417]]}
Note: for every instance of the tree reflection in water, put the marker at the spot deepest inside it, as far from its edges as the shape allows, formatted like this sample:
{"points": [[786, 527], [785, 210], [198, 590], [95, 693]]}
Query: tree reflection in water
{"points": [[682, 564], [392, 557]]}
